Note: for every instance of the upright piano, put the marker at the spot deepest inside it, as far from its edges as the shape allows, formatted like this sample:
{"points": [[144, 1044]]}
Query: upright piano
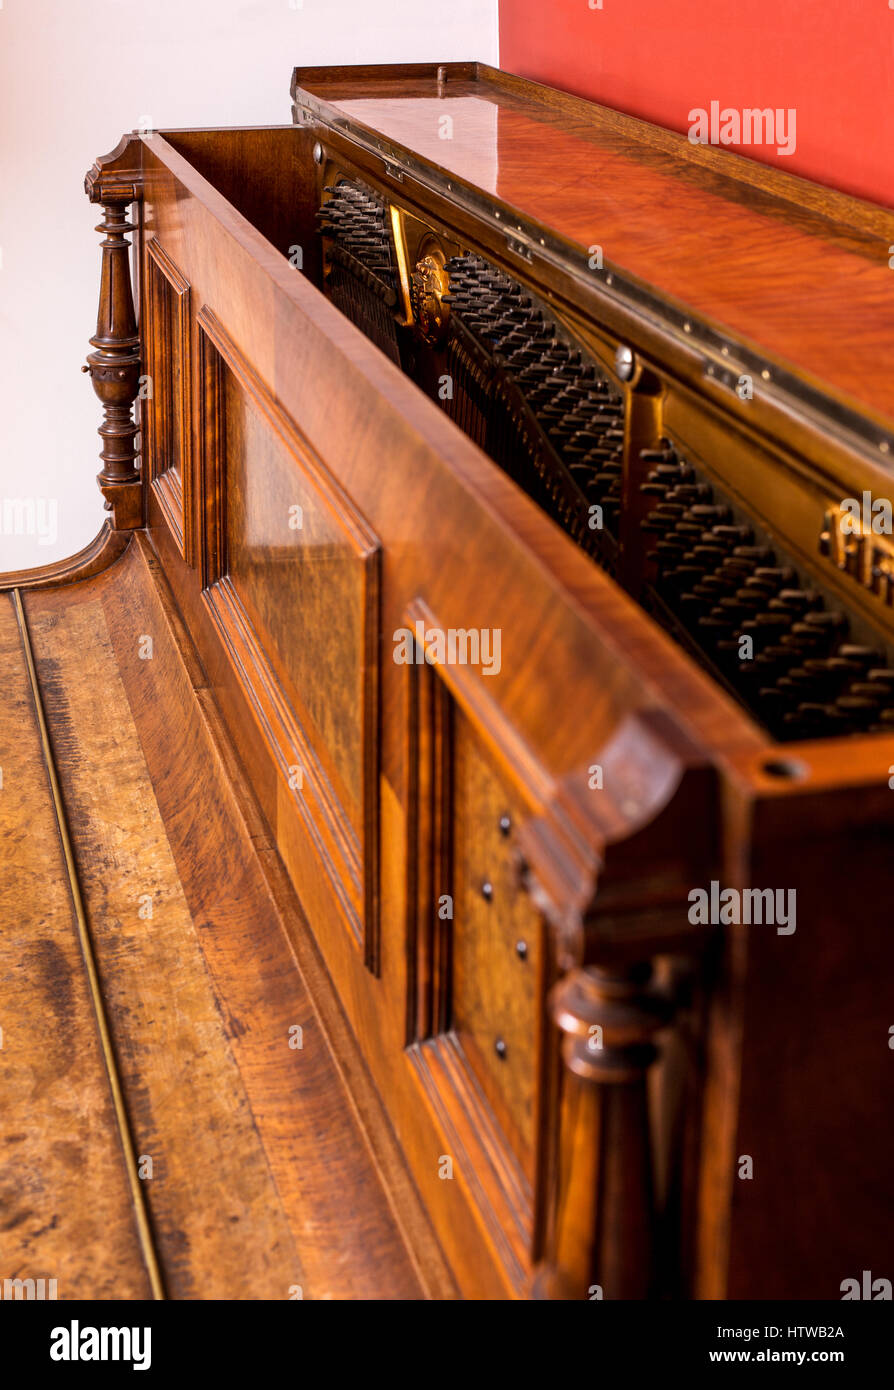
{"points": [[500, 487]]}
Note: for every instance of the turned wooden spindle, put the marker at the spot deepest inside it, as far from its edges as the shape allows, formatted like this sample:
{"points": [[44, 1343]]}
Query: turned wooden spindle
{"points": [[114, 367], [602, 1227]]}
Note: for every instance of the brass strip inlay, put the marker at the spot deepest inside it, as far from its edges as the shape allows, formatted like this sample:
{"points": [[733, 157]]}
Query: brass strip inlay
{"points": [[130, 1161]]}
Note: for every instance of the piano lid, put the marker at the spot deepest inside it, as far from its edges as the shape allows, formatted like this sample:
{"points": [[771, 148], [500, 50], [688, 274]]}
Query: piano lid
{"points": [[725, 250]]}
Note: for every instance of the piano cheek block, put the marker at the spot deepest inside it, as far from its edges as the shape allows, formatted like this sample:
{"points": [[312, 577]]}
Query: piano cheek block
{"points": [[465, 725]]}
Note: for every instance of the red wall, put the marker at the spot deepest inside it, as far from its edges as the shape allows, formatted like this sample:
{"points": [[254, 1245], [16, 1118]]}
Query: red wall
{"points": [[832, 60]]}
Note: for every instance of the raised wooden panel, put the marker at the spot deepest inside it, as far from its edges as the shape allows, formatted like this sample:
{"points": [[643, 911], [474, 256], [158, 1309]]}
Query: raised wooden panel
{"points": [[497, 970], [166, 405], [291, 574], [477, 968]]}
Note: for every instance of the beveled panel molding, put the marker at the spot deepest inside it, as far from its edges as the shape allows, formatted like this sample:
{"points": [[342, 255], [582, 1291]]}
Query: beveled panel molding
{"points": [[267, 500], [477, 956], [166, 414]]}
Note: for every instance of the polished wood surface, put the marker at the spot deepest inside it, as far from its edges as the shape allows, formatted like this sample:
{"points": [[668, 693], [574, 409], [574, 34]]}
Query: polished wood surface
{"points": [[201, 987], [67, 1212], [526, 1070], [733, 244], [572, 641]]}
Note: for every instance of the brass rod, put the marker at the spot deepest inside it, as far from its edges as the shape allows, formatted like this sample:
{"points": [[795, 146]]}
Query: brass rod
{"points": [[403, 269], [130, 1161]]}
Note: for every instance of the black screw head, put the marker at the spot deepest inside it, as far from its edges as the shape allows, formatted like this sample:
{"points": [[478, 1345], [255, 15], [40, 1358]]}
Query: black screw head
{"points": [[521, 950], [500, 1049], [505, 824], [487, 891]]}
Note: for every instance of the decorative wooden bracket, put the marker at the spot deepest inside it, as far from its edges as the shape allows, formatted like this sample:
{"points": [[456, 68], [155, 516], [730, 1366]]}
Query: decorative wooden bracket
{"points": [[610, 865], [642, 832], [114, 365]]}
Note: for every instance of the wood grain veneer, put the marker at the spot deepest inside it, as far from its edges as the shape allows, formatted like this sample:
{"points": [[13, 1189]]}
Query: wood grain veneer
{"points": [[526, 1070]]}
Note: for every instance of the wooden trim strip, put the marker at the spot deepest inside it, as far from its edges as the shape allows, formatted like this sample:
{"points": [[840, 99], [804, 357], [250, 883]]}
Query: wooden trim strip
{"points": [[141, 1214], [100, 554]]}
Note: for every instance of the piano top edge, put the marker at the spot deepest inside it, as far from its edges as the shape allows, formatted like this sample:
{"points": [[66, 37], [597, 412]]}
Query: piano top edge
{"points": [[337, 85], [728, 241]]}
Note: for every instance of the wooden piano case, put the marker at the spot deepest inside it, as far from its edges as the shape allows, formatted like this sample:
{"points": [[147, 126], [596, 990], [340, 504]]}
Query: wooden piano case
{"points": [[495, 844]]}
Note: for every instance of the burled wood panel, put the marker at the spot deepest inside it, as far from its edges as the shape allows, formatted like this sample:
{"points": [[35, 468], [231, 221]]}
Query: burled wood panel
{"points": [[65, 1206], [292, 576], [276, 521], [498, 974]]}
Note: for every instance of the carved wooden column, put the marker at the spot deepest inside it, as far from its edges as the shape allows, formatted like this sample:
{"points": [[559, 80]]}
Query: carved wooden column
{"points": [[114, 365], [611, 873], [602, 1226]]}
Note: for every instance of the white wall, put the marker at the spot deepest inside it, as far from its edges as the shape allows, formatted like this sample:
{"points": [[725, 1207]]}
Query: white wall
{"points": [[75, 74]]}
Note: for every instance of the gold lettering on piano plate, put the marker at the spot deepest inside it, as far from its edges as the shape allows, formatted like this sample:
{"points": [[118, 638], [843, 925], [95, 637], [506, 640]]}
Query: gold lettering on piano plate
{"points": [[859, 551]]}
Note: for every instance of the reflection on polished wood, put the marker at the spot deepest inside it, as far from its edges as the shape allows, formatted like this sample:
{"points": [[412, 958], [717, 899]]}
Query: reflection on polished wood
{"points": [[713, 231]]}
